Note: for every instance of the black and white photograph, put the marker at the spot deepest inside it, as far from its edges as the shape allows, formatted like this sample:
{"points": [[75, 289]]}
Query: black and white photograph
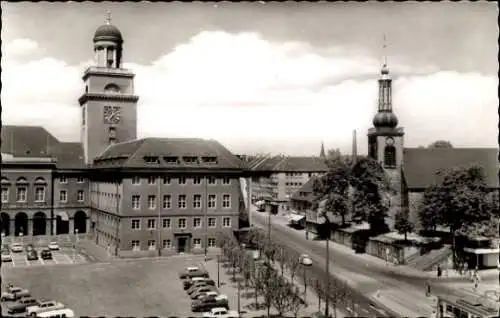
{"points": [[250, 159]]}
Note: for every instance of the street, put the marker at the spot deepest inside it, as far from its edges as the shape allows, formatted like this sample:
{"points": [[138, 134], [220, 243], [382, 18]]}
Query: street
{"points": [[372, 280]]}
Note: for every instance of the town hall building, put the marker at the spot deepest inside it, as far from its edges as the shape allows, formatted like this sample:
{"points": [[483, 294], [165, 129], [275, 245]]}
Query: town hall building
{"points": [[135, 197]]}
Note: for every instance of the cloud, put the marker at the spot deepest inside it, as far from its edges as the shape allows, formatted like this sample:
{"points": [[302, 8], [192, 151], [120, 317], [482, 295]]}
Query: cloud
{"points": [[19, 47], [257, 95]]}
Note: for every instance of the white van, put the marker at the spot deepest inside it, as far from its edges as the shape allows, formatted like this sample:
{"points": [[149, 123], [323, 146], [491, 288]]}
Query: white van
{"points": [[58, 313]]}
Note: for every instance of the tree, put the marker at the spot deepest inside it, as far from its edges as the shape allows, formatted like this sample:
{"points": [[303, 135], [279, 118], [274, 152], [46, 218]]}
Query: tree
{"points": [[461, 202], [440, 144], [370, 185], [402, 223], [333, 187], [282, 295], [292, 263], [430, 212], [296, 303]]}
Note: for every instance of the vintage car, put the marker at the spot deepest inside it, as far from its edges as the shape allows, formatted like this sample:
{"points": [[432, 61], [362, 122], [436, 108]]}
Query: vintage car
{"points": [[193, 271], [21, 305], [15, 293]]}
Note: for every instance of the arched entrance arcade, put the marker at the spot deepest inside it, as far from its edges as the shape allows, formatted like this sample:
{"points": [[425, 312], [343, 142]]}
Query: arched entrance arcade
{"points": [[5, 218], [39, 224], [21, 224], [62, 223], [80, 220]]}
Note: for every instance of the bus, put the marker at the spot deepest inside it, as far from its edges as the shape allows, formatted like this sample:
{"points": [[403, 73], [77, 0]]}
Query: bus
{"points": [[468, 306]]}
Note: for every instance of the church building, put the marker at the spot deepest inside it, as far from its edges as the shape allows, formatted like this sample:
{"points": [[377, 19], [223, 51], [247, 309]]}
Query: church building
{"points": [[412, 170], [135, 197]]}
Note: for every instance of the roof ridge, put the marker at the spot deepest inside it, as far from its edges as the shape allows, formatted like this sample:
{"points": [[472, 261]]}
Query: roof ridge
{"points": [[276, 166], [140, 143]]}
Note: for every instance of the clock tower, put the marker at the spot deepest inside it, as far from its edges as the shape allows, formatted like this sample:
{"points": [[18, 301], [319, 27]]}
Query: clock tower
{"points": [[109, 106], [385, 140]]}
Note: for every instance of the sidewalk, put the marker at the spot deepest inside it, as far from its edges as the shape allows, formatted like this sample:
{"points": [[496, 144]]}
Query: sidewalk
{"points": [[247, 296]]}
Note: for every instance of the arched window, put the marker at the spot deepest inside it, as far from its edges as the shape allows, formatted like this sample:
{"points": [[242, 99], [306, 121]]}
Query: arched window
{"points": [[112, 88], [40, 180], [5, 180], [390, 157], [21, 180]]}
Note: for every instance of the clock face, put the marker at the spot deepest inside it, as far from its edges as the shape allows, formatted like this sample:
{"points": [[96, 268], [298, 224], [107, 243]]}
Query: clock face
{"points": [[112, 114], [389, 141]]}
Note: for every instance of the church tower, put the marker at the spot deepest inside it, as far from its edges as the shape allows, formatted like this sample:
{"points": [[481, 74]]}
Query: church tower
{"points": [[385, 140], [109, 106]]}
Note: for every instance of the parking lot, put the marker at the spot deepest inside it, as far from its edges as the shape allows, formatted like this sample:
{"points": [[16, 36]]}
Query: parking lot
{"points": [[61, 257], [145, 287]]}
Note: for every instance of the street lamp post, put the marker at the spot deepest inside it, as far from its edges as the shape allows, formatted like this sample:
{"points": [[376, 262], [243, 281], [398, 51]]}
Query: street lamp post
{"points": [[306, 261], [74, 245], [218, 269]]}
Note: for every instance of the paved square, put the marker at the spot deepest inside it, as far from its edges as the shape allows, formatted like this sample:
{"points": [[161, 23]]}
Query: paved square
{"points": [[63, 256], [139, 288]]}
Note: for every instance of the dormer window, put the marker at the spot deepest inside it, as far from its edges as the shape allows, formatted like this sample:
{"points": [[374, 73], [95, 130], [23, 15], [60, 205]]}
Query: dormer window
{"points": [[171, 159], [209, 159], [190, 159], [152, 159]]}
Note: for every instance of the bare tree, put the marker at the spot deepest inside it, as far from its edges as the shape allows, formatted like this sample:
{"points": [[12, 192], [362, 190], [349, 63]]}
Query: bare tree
{"points": [[296, 302], [292, 263], [281, 296]]}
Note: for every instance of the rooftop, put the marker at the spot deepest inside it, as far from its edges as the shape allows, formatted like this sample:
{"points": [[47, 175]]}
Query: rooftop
{"points": [[421, 165], [289, 164]]}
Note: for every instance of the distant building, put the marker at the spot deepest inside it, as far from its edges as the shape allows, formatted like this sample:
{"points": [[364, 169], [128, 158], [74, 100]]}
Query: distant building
{"points": [[276, 179], [134, 197]]}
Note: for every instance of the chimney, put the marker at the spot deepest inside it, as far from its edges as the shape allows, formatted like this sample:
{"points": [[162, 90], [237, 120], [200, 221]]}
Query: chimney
{"points": [[354, 148]]}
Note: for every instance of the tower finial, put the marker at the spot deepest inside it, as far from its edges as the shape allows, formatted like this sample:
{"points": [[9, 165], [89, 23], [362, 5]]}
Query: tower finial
{"points": [[385, 50], [108, 17]]}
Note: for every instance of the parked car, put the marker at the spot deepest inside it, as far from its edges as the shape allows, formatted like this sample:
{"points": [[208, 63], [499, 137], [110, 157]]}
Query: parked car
{"points": [[201, 291], [21, 305], [193, 271], [32, 255], [66, 313], [197, 285], [221, 312], [53, 246], [29, 248], [207, 303], [44, 306], [15, 293], [46, 254], [6, 257], [208, 294], [16, 247], [191, 281]]}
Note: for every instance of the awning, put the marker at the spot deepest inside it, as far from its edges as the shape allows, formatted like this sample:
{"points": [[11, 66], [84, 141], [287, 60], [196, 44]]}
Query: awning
{"points": [[482, 250], [296, 217], [64, 216]]}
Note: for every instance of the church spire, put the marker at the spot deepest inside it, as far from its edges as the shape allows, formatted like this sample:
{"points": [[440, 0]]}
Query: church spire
{"points": [[108, 17], [385, 116], [322, 151]]}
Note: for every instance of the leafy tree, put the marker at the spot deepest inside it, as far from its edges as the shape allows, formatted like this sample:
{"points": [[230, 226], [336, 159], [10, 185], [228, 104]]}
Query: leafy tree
{"points": [[334, 187], [402, 223], [441, 144], [370, 185], [431, 210]]}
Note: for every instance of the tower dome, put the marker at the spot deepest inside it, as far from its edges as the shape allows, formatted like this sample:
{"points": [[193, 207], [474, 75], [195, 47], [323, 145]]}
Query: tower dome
{"points": [[385, 119], [108, 32]]}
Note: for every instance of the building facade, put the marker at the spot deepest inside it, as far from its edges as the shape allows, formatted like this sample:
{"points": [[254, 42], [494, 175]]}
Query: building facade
{"points": [[152, 196], [276, 179]]}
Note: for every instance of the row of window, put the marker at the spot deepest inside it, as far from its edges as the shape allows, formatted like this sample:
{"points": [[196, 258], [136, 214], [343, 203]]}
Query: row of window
{"points": [[22, 195], [296, 174], [293, 183], [181, 223], [152, 180], [136, 244], [62, 179], [182, 201]]}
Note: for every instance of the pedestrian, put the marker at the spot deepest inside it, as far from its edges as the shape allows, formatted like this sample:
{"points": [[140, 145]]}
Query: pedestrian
{"points": [[428, 291], [439, 271]]}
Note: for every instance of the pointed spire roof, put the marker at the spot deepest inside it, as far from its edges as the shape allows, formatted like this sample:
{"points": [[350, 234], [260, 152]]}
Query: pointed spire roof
{"points": [[322, 152]]}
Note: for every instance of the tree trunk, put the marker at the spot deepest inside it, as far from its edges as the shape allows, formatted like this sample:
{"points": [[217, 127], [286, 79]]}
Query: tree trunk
{"points": [[406, 236]]}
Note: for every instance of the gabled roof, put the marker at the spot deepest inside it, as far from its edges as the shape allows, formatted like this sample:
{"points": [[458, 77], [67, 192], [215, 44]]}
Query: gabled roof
{"points": [[132, 154], [289, 164], [36, 141], [306, 190], [421, 164]]}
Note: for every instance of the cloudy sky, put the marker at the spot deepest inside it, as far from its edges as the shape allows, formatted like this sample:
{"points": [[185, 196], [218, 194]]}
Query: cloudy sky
{"points": [[273, 77]]}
